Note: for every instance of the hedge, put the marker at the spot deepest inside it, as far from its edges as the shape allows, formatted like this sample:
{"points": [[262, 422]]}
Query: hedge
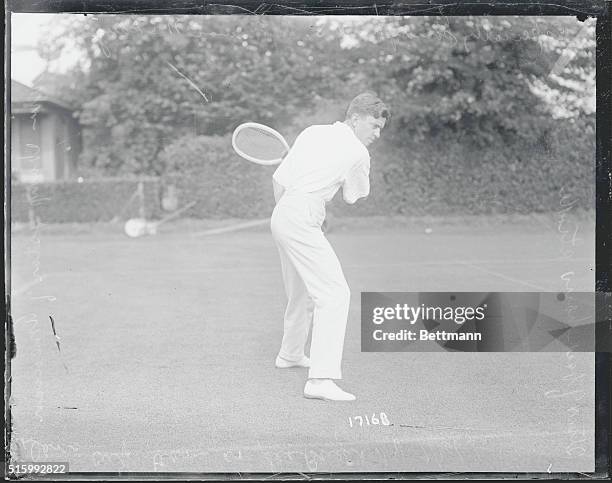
{"points": [[455, 180], [417, 179], [86, 201], [206, 170], [449, 178]]}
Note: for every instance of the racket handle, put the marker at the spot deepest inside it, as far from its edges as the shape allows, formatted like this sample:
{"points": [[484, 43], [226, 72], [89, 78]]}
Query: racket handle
{"points": [[175, 214]]}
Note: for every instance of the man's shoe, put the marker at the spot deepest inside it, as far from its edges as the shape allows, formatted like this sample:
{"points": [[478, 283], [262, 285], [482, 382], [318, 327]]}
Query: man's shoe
{"points": [[326, 390], [281, 363]]}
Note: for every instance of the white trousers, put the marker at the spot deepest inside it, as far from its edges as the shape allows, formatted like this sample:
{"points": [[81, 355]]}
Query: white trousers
{"points": [[316, 289]]}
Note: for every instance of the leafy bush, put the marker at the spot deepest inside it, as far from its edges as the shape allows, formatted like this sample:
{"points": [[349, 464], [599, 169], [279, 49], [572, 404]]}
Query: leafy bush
{"points": [[205, 169]]}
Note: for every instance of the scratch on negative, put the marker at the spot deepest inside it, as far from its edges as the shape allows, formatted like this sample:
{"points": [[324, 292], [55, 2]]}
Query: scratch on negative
{"points": [[57, 341], [188, 80]]}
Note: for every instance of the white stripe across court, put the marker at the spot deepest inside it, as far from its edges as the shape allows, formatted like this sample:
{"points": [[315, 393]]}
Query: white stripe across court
{"points": [[236, 227], [504, 277]]}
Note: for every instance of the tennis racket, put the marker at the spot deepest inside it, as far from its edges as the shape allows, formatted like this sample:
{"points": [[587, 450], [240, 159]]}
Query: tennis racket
{"points": [[259, 144]]}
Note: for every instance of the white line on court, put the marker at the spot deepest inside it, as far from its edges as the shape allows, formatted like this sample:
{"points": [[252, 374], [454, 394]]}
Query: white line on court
{"points": [[226, 229], [468, 262], [508, 279], [275, 268]]}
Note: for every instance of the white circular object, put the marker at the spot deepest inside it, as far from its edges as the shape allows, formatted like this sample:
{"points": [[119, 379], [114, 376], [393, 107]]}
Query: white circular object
{"points": [[428, 230], [135, 227]]}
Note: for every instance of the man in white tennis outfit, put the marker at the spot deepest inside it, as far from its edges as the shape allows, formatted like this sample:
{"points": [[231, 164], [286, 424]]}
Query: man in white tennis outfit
{"points": [[323, 159]]}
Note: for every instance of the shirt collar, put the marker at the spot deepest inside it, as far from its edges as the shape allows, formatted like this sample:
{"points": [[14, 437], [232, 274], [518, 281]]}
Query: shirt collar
{"points": [[348, 128]]}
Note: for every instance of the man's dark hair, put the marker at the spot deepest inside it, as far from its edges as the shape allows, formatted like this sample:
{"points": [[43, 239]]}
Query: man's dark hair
{"points": [[368, 103]]}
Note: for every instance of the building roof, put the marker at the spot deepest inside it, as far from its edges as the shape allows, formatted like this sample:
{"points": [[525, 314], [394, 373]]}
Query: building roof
{"points": [[22, 94]]}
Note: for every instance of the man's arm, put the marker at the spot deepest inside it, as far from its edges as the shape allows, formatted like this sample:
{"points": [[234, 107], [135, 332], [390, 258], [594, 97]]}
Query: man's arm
{"points": [[278, 190], [356, 183]]}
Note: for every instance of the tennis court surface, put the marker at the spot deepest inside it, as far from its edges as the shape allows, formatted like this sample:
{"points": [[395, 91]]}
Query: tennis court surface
{"points": [[169, 344]]}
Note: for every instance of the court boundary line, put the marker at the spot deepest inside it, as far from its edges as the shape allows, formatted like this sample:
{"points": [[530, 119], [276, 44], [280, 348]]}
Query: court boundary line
{"points": [[504, 277], [347, 266], [231, 228]]}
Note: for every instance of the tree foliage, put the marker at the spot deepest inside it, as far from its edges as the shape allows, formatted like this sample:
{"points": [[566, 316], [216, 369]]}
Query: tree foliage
{"points": [[481, 80], [150, 80], [145, 82]]}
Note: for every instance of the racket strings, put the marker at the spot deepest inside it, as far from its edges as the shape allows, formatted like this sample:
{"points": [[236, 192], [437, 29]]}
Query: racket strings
{"points": [[259, 144]]}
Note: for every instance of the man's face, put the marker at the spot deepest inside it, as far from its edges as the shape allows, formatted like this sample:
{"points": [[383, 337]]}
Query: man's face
{"points": [[367, 128]]}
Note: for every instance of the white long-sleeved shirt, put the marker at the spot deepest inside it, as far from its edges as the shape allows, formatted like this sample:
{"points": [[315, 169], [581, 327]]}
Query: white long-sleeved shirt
{"points": [[325, 158]]}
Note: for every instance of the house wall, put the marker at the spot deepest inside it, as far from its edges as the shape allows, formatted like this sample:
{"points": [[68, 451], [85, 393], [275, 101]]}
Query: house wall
{"points": [[15, 146], [75, 145], [47, 143], [27, 156], [60, 144], [66, 145], [44, 146]]}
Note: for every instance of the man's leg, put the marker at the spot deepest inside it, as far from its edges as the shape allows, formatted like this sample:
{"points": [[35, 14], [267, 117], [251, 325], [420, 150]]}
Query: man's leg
{"points": [[299, 236], [298, 315], [317, 265]]}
